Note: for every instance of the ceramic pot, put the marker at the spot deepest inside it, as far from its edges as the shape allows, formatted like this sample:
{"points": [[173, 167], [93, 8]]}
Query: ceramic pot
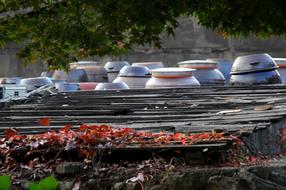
{"points": [[87, 85], [113, 68], [112, 86], [133, 76], [255, 78], [253, 63], [149, 65], [10, 80], [256, 69], [74, 75], [74, 65], [281, 62], [206, 72], [172, 78], [67, 87], [36, 82], [95, 73], [224, 66]]}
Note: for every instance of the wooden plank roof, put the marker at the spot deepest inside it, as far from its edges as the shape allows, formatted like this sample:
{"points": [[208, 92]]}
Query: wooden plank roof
{"points": [[234, 109]]}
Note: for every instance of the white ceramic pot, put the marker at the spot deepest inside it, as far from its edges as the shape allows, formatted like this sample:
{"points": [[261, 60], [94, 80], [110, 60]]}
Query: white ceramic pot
{"points": [[172, 78]]}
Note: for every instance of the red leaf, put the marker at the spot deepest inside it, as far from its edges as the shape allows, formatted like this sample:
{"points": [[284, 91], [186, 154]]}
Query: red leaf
{"points": [[83, 128], [44, 121], [10, 133], [66, 128]]}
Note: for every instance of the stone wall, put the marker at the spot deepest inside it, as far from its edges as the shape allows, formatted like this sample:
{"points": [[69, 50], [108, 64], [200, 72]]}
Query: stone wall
{"points": [[192, 41]]}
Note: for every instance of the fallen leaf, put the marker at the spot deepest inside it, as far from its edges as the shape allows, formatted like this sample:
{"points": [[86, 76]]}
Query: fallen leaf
{"points": [[229, 111], [44, 121], [9, 133], [263, 107]]}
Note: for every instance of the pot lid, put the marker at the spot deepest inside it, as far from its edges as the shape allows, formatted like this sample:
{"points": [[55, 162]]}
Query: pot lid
{"points": [[253, 63], [172, 72], [115, 66], [134, 71], [149, 65], [198, 64], [84, 63]]}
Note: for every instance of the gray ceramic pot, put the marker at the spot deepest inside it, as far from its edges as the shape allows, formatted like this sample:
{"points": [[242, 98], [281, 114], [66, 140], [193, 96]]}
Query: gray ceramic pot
{"points": [[74, 65], [113, 68], [206, 72], [134, 76], [112, 86], [95, 73], [253, 63], [255, 78], [257, 69], [10, 80], [224, 66], [281, 62], [36, 82], [67, 87], [149, 65]]}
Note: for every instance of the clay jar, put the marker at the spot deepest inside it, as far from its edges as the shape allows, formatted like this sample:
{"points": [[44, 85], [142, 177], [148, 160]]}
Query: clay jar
{"points": [[281, 62], [35, 82], [74, 65], [149, 65], [113, 68], [67, 87], [206, 72], [95, 73], [172, 78], [74, 75], [256, 69], [133, 76], [224, 66], [10, 80], [112, 86]]}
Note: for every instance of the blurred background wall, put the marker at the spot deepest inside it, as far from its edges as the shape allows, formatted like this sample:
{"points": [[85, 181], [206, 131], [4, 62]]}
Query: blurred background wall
{"points": [[192, 41]]}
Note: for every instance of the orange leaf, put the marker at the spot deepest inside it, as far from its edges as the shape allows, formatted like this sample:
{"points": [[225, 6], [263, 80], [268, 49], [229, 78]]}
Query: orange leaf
{"points": [[10, 133], [44, 121]]}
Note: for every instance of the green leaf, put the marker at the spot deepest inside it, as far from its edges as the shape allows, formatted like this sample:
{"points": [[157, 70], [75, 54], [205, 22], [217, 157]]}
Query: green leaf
{"points": [[33, 186], [5, 182], [49, 183]]}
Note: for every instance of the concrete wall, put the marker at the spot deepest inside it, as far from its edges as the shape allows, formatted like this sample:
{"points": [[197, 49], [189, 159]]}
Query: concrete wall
{"points": [[12, 66], [192, 41]]}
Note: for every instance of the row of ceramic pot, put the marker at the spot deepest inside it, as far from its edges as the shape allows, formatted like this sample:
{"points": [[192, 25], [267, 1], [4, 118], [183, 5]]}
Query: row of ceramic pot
{"points": [[246, 70], [256, 69]]}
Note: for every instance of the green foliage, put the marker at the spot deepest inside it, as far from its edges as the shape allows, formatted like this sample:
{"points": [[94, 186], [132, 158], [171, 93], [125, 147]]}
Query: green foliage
{"points": [[49, 183], [5, 182], [59, 30]]}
